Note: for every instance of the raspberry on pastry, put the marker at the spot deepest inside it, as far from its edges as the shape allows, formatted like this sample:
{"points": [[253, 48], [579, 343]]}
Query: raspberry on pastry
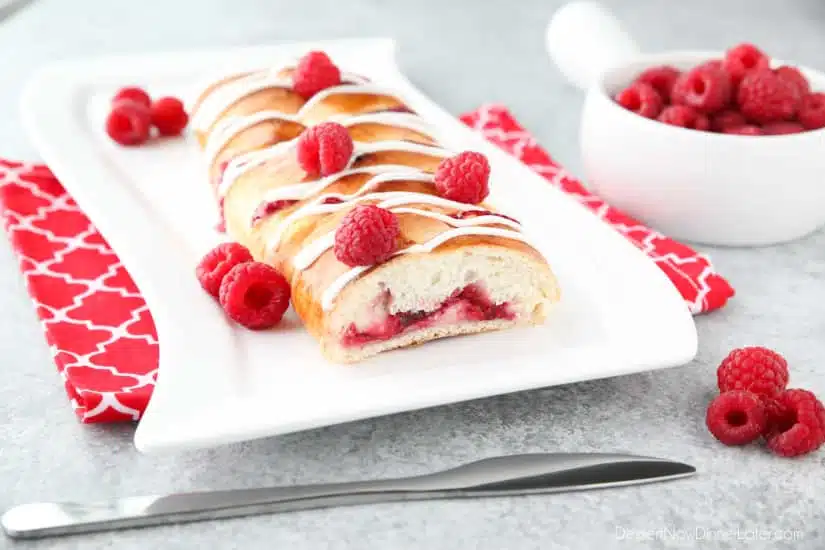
{"points": [[315, 72], [324, 149], [464, 177]]}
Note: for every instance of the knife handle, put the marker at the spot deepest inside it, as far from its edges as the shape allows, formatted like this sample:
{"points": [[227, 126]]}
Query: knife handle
{"points": [[507, 475]]}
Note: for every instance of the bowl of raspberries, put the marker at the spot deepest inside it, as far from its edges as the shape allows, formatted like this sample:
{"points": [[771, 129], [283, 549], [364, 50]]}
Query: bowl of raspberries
{"points": [[738, 94], [712, 147]]}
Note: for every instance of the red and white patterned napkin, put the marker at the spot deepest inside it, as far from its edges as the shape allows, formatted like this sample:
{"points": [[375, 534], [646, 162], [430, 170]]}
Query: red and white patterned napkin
{"points": [[101, 333]]}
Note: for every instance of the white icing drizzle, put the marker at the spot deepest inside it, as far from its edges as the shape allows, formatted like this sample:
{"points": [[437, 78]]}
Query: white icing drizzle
{"points": [[310, 254], [225, 96], [335, 288], [220, 99], [370, 147], [301, 191], [318, 207], [366, 89], [390, 199], [243, 163], [409, 121], [228, 128], [482, 219]]}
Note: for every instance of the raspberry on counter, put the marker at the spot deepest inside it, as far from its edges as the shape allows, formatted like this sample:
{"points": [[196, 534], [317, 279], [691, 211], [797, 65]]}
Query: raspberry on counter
{"points": [[736, 417], [796, 423], [755, 369]]}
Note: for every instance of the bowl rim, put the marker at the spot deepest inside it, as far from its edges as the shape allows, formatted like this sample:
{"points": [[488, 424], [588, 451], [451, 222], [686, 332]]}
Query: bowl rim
{"points": [[676, 57]]}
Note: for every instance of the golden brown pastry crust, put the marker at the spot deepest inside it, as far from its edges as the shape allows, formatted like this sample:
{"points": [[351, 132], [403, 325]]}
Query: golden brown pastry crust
{"points": [[247, 193]]}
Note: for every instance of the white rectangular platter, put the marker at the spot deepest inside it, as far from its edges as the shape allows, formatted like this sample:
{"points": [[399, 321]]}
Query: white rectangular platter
{"points": [[219, 383]]}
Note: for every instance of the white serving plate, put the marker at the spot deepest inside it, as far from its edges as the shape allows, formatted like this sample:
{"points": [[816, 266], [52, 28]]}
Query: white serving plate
{"points": [[219, 383]]}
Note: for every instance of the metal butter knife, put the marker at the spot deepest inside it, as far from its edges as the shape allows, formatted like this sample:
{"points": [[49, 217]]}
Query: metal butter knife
{"points": [[506, 475]]}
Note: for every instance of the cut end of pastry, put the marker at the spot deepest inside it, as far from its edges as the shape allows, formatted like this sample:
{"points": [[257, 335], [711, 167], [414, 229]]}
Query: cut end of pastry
{"points": [[417, 298]]}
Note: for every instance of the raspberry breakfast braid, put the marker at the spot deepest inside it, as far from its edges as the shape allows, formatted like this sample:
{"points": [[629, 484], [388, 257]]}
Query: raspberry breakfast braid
{"points": [[455, 267]]}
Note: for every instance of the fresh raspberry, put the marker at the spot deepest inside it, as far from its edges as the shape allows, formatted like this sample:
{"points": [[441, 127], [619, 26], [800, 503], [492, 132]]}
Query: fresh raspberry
{"points": [[765, 97], [796, 424], [812, 111], [736, 417], [775, 414], [324, 149], [134, 94], [642, 99], [129, 123], [217, 263], [366, 235], [742, 59], [684, 117], [169, 116], [314, 72], [463, 178], [255, 295], [662, 79], [755, 369], [705, 88], [715, 64], [727, 120], [782, 127], [794, 75], [745, 130]]}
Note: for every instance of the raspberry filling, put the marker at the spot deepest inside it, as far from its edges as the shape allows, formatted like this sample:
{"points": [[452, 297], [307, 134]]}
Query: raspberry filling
{"points": [[398, 109], [469, 304], [463, 215], [269, 208]]}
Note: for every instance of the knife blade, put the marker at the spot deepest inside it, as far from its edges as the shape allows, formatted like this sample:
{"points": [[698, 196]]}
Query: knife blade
{"points": [[497, 476]]}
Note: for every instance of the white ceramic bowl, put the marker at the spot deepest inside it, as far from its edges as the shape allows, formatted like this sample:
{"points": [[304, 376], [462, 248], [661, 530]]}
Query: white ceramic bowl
{"points": [[696, 186]]}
